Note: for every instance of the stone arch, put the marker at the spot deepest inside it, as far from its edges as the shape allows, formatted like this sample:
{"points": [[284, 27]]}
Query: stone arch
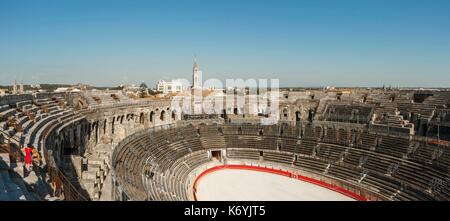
{"points": [[174, 115], [162, 117], [152, 116], [112, 125], [285, 113], [298, 116], [104, 126], [141, 118], [235, 111]]}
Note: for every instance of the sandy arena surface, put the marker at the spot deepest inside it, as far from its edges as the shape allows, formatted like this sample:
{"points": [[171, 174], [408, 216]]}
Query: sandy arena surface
{"points": [[242, 185]]}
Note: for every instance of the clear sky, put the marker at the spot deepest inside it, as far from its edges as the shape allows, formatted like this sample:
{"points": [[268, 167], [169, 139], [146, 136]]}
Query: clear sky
{"points": [[302, 43]]}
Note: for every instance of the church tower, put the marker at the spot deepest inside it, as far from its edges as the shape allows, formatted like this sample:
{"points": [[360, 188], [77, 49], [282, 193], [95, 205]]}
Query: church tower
{"points": [[21, 90], [196, 75], [14, 90]]}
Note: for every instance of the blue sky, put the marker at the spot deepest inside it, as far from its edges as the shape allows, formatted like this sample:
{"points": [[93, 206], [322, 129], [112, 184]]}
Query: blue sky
{"points": [[302, 43]]}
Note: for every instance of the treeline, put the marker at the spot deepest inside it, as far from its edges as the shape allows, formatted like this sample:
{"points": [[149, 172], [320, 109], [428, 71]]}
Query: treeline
{"points": [[52, 87]]}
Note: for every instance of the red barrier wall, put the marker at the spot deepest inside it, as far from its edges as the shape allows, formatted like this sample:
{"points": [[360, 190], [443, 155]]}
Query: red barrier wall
{"points": [[281, 173]]}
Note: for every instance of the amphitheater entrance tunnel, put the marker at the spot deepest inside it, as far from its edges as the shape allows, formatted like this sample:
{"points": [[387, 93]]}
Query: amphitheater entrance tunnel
{"points": [[217, 154]]}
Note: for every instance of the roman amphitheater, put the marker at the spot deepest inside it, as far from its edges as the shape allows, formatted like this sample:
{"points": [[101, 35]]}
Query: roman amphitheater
{"points": [[349, 144]]}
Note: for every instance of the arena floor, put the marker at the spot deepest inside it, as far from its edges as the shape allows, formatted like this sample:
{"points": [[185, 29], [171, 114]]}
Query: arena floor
{"points": [[248, 185]]}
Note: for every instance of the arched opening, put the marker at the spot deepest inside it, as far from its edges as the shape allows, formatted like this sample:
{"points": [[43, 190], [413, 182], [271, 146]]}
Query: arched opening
{"points": [[112, 125], [285, 113], [217, 154], [163, 116], [152, 116], [97, 130], [310, 115], [298, 116], [235, 111], [141, 118], [392, 97], [224, 114], [174, 115]]}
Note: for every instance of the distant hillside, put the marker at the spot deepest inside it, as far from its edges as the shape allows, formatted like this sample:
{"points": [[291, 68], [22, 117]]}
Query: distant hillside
{"points": [[52, 87]]}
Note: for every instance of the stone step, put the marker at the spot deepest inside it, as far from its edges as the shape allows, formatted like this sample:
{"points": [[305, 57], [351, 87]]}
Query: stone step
{"points": [[4, 161], [94, 167], [104, 168], [92, 189], [104, 157], [14, 192], [9, 191], [21, 185], [89, 184], [88, 175], [96, 161]]}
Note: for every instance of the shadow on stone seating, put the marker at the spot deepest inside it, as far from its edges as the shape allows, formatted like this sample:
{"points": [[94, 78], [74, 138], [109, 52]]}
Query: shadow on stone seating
{"points": [[14, 190]]}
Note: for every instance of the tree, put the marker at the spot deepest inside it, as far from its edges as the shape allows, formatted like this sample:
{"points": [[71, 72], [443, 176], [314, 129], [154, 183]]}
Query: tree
{"points": [[143, 85], [143, 91]]}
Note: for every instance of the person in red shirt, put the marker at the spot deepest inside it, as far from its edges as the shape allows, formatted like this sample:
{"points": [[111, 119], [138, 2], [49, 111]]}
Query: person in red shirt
{"points": [[28, 159]]}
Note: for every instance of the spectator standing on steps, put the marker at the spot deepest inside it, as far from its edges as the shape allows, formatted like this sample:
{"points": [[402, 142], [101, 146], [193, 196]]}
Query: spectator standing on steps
{"points": [[28, 158]]}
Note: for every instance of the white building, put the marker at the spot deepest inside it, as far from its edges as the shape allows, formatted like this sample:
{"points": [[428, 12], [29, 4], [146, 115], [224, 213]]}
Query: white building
{"points": [[3, 92], [180, 85], [66, 89], [174, 86]]}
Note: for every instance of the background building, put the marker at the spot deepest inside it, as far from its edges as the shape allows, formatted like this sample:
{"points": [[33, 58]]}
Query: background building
{"points": [[174, 86]]}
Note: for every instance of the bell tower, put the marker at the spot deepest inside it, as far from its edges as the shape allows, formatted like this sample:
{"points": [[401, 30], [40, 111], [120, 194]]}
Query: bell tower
{"points": [[196, 75]]}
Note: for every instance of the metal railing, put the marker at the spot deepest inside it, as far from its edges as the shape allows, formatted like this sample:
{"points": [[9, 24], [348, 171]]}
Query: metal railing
{"points": [[69, 191]]}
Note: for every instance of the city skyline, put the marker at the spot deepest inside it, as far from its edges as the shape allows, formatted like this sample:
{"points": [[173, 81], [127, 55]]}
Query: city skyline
{"points": [[304, 44]]}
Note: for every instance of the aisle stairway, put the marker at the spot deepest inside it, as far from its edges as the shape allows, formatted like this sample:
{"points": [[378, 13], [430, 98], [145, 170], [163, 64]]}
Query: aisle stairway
{"points": [[96, 169]]}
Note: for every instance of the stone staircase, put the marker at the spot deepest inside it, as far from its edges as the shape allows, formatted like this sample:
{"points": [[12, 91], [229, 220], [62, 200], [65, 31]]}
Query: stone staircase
{"points": [[95, 170]]}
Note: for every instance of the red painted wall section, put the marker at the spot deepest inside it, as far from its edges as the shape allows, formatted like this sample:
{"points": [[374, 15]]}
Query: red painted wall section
{"points": [[281, 173]]}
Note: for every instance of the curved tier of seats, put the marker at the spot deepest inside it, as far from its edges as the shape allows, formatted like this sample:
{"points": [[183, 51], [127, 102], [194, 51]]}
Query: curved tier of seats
{"points": [[27, 122], [155, 164]]}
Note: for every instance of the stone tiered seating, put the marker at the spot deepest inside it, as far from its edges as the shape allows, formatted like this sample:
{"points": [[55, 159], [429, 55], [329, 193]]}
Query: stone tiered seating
{"points": [[211, 138], [243, 154], [4, 108], [350, 113], [100, 98], [366, 140], [383, 185], [309, 133], [330, 135], [305, 147], [345, 173], [288, 144], [283, 158], [393, 146], [383, 164], [311, 164], [4, 115], [163, 149], [332, 153]]}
